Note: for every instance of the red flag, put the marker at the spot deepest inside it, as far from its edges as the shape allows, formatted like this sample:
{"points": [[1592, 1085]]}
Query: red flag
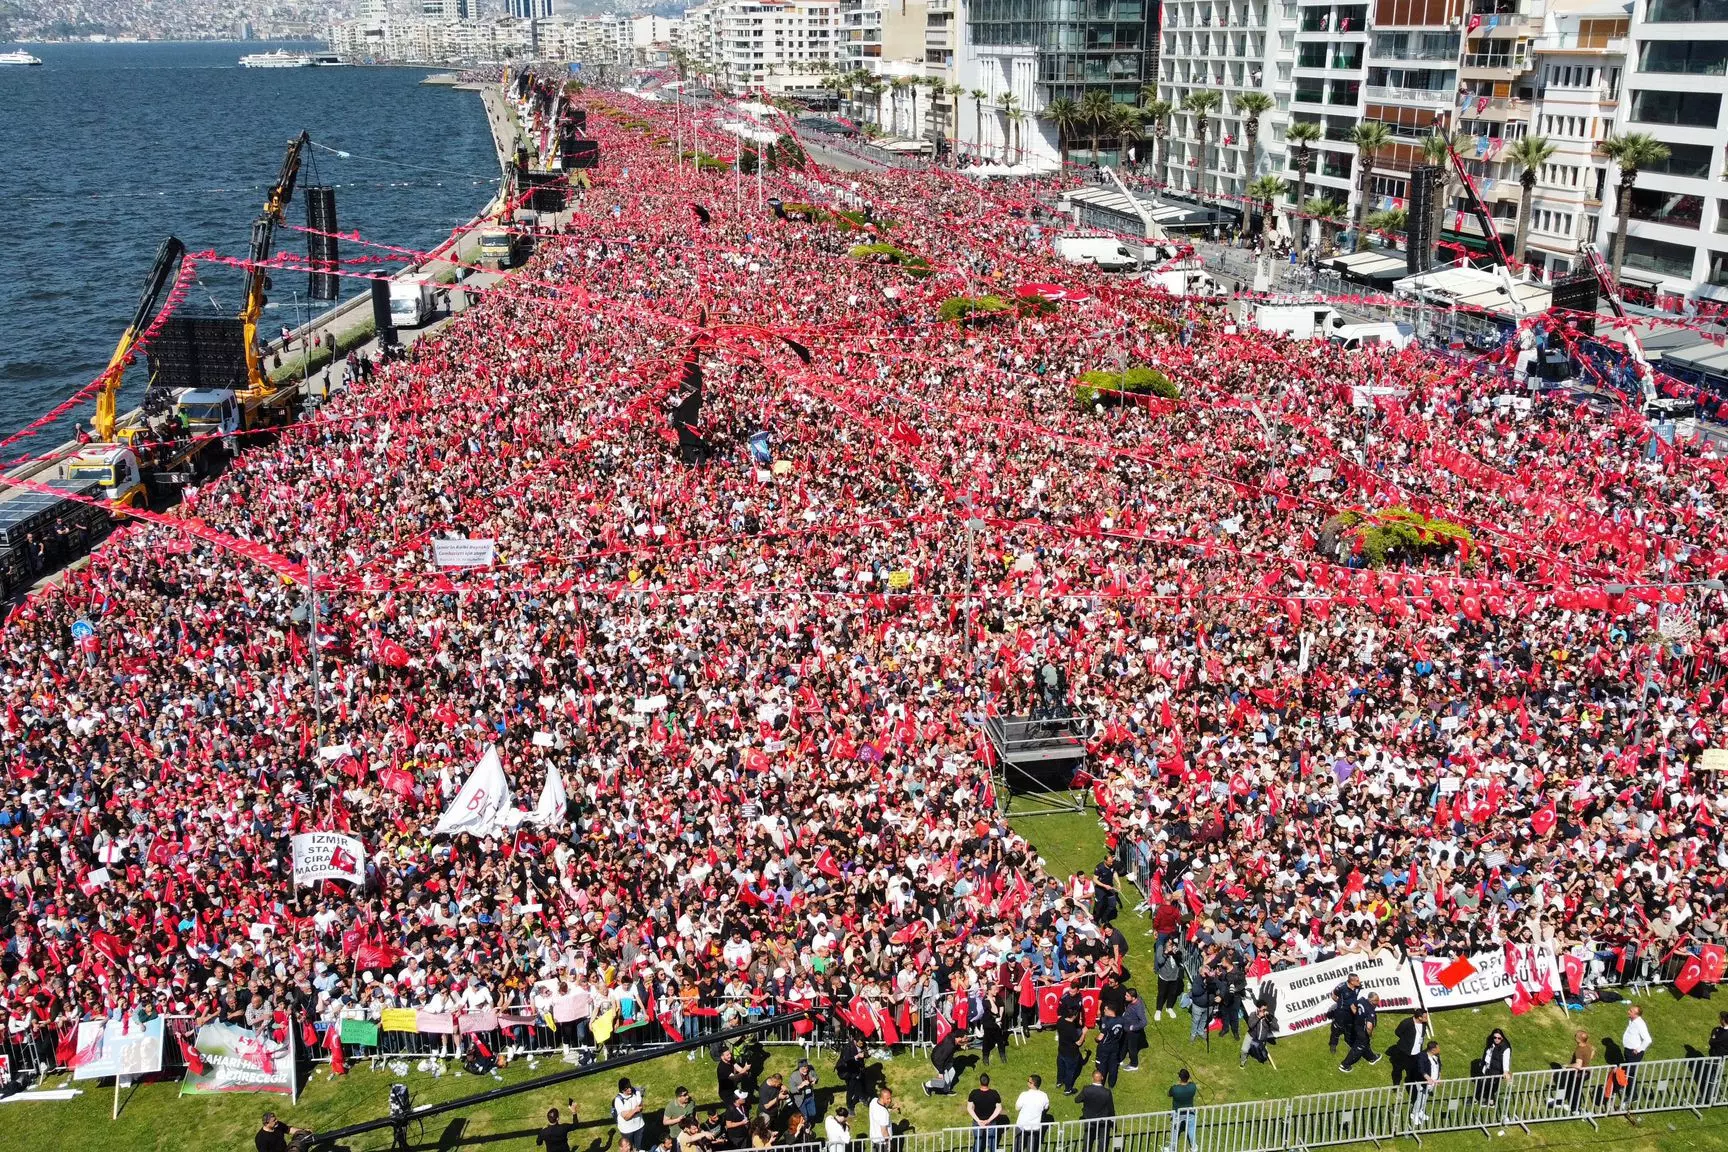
{"points": [[189, 1051], [1049, 1004], [1542, 820], [1089, 1007], [392, 654], [333, 1041], [825, 863], [1691, 975], [1520, 999], [1028, 993], [672, 1033], [943, 1028], [1574, 973], [1713, 956], [308, 1035], [861, 1017], [1455, 973], [962, 1011]]}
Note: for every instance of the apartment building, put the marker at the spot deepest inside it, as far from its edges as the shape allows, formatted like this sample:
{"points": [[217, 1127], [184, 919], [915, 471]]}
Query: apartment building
{"points": [[782, 47], [944, 24], [1677, 218], [1232, 47], [886, 39], [1579, 66]]}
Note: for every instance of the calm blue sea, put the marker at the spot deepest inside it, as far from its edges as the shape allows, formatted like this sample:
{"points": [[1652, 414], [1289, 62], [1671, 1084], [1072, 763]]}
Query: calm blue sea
{"points": [[107, 148]]}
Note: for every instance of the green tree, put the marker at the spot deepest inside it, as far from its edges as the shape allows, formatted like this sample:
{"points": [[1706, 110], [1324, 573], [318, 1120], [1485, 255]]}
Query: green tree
{"points": [[978, 97], [1437, 150], [1251, 106], [955, 91], [1389, 220], [1632, 152], [1529, 153], [1095, 110], [1328, 213], [1064, 114], [1201, 105], [1267, 189], [1370, 137], [1017, 121], [1125, 125], [1303, 134], [1158, 113], [1008, 105]]}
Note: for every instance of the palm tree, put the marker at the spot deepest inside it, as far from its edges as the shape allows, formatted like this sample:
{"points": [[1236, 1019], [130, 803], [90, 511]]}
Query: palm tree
{"points": [[1251, 106], [874, 87], [1632, 152], [904, 84], [978, 97], [1158, 113], [1201, 105], [1126, 122], [1329, 213], [1390, 220], [1267, 189], [954, 92], [1064, 113], [1529, 153], [1370, 137], [1437, 151], [1303, 134], [1016, 119], [1095, 109], [1009, 105]]}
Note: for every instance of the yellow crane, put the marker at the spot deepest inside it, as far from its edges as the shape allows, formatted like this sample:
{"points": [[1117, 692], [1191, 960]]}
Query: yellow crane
{"points": [[168, 258], [257, 279]]}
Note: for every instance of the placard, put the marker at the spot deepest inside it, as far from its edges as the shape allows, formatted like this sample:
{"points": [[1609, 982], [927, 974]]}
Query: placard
{"points": [[464, 553]]}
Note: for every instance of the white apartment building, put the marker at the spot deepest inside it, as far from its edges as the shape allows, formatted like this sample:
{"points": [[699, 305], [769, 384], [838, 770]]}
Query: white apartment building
{"points": [[886, 39], [1232, 47], [1676, 81], [1579, 64], [944, 24], [592, 40], [781, 47]]}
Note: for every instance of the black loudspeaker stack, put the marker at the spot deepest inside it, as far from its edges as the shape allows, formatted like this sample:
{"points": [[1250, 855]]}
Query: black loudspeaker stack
{"points": [[381, 310], [198, 352], [1580, 294], [321, 283], [1423, 227]]}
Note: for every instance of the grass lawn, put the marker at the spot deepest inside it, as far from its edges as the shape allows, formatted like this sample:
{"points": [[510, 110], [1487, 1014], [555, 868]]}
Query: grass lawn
{"points": [[153, 1118]]}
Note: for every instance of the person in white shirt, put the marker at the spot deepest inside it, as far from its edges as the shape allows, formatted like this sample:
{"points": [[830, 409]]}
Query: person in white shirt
{"points": [[837, 1131], [1029, 1109], [627, 1112], [1634, 1043], [882, 1121]]}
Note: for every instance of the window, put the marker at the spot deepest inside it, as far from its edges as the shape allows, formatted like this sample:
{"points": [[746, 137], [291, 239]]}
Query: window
{"points": [[1693, 109], [1685, 160], [1659, 256], [1685, 11], [1671, 208], [1696, 57]]}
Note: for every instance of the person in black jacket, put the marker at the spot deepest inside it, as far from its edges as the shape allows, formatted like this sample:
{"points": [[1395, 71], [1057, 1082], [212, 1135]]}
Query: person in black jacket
{"points": [[1496, 1068], [1718, 1047], [993, 1032], [1427, 1079], [851, 1069], [1070, 1035], [1344, 999], [1365, 1014], [1409, 1040]]}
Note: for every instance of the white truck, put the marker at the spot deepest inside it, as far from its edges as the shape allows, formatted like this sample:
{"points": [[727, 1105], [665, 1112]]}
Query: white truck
{"points": [[1298, 321], [1102, 252], [1184, 282], [410, 303], [1382, 333]]}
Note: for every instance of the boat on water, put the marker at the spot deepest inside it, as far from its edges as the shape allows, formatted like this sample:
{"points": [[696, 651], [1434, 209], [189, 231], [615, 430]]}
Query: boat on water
{"points": [[329, 60], [18, 58], [281, 58]]}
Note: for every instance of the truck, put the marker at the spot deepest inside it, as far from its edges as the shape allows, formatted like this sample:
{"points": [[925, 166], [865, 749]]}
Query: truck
{"points": [[1102, 252], [1298, 321], [500, 247], [410, 303], [1184, 282], [43, 527], [1383, 333]]}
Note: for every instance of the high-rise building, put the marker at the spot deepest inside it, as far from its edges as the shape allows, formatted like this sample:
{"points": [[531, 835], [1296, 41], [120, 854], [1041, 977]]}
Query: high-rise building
{"points": [[776, 46], [1676, 81], [531, 9], [886, 39], [444, 9]]}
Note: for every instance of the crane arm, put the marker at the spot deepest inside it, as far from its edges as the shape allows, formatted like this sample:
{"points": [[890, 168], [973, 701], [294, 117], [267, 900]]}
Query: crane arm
{"points": [[1611, 290], [1477, 208], [167, 263], [263, 241]]}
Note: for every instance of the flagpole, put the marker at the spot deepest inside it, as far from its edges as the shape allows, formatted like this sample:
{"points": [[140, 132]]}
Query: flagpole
{"points": [[293, 1066], [115, 1115], [312, 620]]}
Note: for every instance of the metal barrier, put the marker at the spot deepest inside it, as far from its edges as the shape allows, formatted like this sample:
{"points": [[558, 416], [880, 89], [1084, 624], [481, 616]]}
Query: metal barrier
{"points": [[1372, 1114]]}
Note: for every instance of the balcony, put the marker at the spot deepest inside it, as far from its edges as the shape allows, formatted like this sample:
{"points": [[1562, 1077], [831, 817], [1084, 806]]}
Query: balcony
{"points": [[1575, 42], [1423, 96]]}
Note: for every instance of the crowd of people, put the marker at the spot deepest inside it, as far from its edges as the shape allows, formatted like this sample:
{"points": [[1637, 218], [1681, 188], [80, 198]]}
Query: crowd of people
{"points": [[762, 679]]}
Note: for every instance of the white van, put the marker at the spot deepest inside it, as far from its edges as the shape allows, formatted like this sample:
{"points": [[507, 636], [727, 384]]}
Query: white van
{"points": [[1369, 335], [1101, 252], [410, 303]]}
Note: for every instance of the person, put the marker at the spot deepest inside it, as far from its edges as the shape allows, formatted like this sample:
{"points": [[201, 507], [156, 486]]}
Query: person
{"points": [[727, 1075], [1202, 999], [1409, 1040], [627, 1114], [1183, 1115], [942, 1060], [680, 1108], [1427, 1080], [772, 1103], [1111, 1038], [802, 1092], [1070, 1036], [837, 1131], [1365, 1014], [984, 1106], [555, 1137], [1718, 1048], [1232, 985], [882, 1121], [1029, 1109], [1134, 1031], [735, 1126], [273, 1135], [1258, 1036], [1168, 967], [1106, 900], [1344, 998], [1570, 1087], [1496, 1069], [850, 1067], [1635, 1041], [993, 1032], [1098, 1111], [799, 1134]]}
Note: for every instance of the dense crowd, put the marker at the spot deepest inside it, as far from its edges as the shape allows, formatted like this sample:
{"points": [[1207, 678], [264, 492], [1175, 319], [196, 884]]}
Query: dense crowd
{"points": [[762, 683]]}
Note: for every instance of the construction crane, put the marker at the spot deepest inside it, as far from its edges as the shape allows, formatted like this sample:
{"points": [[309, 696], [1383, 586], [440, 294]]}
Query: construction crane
{"points": [[167, 264], [1611, 293], [257, 280], [1478, 209]]}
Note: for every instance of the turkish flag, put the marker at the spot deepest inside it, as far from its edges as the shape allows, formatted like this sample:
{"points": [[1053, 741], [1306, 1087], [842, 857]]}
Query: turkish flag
{"points": [[1542, 820], [333, 1041], [1713, 956], [194, 1058], [1520, 999], [1049, 1003], [943, 1029], [672, 1033], [1455, 973], [1239, 785], [861, 1017], [1691, 975], [398, 781], [392, 654], [1089, 1007], [825, 863], [1574, 973]]}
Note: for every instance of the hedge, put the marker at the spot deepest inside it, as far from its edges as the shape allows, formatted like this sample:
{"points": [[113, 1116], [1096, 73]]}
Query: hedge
{"points": [[1103, 386], [970, 309], [888, 254], [1395, 534]]}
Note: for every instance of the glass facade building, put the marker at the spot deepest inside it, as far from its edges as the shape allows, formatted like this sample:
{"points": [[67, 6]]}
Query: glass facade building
{"points": [[1081, 44]]}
